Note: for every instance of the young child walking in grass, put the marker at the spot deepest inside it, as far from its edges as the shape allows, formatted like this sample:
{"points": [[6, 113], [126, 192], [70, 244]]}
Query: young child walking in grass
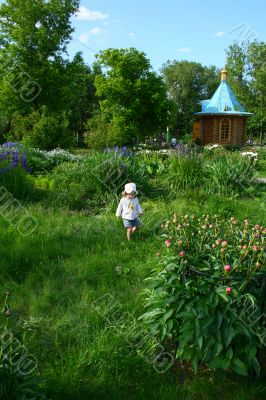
{"points": [[129, 209]]}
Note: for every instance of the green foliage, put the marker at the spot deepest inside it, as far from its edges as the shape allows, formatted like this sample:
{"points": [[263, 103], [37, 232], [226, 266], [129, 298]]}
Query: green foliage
{"points": [[14, 172], [247, 72], [216, 171], [188, 83], [97, 180], [208, 298], [42, 129], [228, 175], [18, 183], [36, 76], [133, 101]]}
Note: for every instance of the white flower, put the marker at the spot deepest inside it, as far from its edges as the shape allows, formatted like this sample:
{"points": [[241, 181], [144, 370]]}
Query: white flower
{"points": [[249, 154]]}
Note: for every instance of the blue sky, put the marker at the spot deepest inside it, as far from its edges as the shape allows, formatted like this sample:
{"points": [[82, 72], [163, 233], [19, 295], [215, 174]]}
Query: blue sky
{"points": [[194, 30], [171, 29]]}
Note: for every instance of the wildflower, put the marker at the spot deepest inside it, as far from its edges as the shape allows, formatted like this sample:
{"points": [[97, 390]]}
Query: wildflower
{"points": [[180, 241], [182, 253], [256, 248], [229, 290], [167, 243], [258, 264]]}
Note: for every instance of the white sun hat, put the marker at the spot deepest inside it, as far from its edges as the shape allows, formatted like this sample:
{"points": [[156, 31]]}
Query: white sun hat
{"points": [[130, 187]]}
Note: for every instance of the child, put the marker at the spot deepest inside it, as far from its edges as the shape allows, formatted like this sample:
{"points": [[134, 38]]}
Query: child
{"points": [[129, 209]]}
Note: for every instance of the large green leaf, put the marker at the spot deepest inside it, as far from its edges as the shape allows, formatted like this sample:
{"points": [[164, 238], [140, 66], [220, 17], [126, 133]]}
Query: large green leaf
{"points": [[239, 367]]}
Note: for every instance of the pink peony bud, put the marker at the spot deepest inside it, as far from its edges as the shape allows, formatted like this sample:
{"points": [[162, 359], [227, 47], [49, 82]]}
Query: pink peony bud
{"points": [[224, 243], [229, 290], [182, 253], [227, 268], [167, 243]]}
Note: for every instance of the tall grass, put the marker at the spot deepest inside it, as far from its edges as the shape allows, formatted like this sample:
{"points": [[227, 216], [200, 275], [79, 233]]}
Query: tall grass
{"points": [[228, 175]]}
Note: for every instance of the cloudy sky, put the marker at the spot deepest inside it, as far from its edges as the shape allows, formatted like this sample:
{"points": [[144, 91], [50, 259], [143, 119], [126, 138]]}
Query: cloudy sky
{"points": [[195, 30]]}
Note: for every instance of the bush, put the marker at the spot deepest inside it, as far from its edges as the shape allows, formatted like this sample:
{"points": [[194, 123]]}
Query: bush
{"points": [[208, 300], [43, 161], [97, 180], [42, 129]]}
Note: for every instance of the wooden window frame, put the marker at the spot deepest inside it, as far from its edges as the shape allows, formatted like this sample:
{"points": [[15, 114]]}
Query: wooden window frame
{"points": [[226, 135]]}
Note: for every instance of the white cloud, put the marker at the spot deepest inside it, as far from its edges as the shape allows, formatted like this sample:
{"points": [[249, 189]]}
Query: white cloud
{"points": [[95, 31], [87, 15], [184, 50], [84, 37], [131, 34], [220, 33]]}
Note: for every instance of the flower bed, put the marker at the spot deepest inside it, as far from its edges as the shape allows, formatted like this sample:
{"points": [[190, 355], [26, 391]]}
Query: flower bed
{"points": [[208, 298]]}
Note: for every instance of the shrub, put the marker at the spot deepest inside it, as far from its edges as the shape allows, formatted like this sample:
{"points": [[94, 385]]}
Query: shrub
{"points": [[97, 179], [43, 129], [44, 161], [208, 300]]}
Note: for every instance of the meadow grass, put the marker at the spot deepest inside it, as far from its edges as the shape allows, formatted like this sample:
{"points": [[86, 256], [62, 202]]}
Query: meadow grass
{"points": [[56, 274]]}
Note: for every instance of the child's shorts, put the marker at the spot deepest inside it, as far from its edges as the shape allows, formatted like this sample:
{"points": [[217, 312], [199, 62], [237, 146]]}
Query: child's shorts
{"points": [[130, 223]]}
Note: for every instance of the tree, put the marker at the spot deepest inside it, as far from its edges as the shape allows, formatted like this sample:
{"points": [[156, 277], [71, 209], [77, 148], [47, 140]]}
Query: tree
{"points": [[33, 37], [188, 83], [133, 101], [246, 64], [79, 94], [33, 70]]}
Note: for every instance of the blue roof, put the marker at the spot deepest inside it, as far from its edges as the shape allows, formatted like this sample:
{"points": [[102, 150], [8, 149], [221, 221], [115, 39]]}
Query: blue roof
{"points": [[223, 102]]}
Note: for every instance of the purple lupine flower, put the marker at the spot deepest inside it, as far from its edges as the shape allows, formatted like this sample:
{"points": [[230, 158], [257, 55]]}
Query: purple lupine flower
{"points": [[10, 144]]}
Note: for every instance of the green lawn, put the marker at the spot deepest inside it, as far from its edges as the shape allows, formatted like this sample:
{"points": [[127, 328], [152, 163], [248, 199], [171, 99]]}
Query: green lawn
{"points": [[58, 274]]}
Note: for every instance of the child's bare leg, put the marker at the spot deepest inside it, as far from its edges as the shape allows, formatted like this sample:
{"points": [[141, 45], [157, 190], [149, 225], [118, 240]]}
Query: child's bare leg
{"points": [[129, 231], [135, 228]]}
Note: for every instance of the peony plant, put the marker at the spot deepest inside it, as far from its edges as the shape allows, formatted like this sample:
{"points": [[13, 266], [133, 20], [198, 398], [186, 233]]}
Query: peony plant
{"points": [[206, 297]]}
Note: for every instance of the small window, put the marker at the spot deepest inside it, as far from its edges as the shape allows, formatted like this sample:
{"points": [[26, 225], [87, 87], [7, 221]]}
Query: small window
{"points": [[225, 129]]}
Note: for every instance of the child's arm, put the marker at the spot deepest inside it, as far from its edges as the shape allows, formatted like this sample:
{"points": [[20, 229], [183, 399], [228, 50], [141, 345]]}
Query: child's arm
{"points": [[139, 209], [119, 209]]}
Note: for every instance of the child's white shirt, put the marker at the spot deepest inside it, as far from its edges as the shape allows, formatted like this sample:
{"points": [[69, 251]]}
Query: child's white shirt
{"points": [[129, 208]]}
